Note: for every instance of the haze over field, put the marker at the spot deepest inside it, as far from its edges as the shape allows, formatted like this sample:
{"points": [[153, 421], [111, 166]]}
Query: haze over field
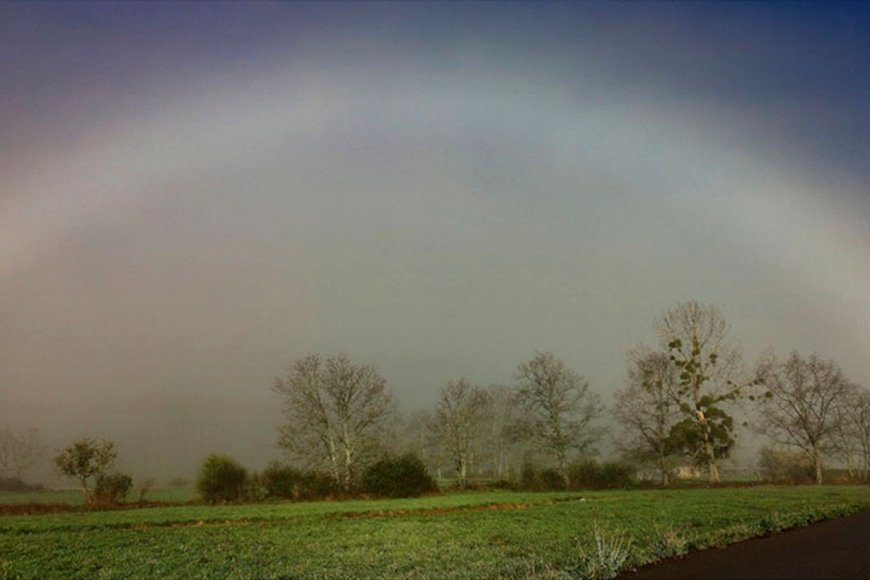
{"points": [[194, 195]]}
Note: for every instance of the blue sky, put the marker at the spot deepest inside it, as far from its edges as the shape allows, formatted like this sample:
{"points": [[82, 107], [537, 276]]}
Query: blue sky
{"points": [[194, 194]]}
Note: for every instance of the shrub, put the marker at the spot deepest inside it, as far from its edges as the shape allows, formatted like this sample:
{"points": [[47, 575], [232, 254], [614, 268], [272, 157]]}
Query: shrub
{"points": [[608, 556], [404, 476], [282, 481], [667, 543], [586, 474], [18, 484], [501, 484], [533, 478], [112, 488], [253, 489], [785, 466], [583, 474], [530, 477], [221, 479], [589, 474], [552, 480], [285, 482], [615, 475]]}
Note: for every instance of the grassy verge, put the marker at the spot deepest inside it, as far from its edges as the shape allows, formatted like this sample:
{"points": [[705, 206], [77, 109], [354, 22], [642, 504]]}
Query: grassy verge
{"points": [[473, 535]]}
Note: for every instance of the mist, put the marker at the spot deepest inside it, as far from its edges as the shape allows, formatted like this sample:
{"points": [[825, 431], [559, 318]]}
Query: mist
{"points": [[192, 197]]}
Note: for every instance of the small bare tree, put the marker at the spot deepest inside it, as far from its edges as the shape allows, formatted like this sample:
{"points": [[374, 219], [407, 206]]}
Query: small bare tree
{"points": [[145, 486], [799, 407], [335, 411], [560, 412], [709, 368], [458, 420], [19, 451], [646, 410]]}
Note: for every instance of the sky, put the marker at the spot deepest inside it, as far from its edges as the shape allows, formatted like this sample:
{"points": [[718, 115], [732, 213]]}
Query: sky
{"points": [[193, 195]]}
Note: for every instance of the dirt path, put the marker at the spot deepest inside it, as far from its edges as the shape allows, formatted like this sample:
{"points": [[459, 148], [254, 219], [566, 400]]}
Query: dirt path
{"points": [[838, 549]]}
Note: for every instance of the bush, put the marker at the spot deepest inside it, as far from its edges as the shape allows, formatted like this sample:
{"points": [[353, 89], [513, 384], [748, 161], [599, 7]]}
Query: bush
{"points": [[785, 466], [583, 474], [253, 489], [221, 479], [552, 480], [285, 482], [609, 555], [667, 542], [589, 474], [615, 475], [18, 484], [112, 488], [501, 485], [533, 478], [404, 476], [467, 486], [530, 477]]}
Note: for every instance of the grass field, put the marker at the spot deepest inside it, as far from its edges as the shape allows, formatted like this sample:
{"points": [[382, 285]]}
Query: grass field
{"points": [[75, 497], [472, 535]]}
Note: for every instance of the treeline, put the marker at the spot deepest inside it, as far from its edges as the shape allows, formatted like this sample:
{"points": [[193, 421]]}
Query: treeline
{"points": [[677, 409], [343, 434]]}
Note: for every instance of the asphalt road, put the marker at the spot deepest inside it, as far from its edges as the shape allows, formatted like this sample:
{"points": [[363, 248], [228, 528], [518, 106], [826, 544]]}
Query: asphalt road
{"points": [[837, 549]]}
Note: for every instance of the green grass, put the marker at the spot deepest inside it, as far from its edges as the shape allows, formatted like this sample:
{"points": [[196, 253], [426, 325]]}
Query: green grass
{"points": [[75, 497], [471, 535]]}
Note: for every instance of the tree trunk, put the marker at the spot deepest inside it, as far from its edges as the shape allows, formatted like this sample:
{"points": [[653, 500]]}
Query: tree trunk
{"points": [[663, 470], [333, 459], [348, 477], [851, 468], [88, 498], [563, 468], [348, 456], [713, 473], [817, 462], [712, 468]]}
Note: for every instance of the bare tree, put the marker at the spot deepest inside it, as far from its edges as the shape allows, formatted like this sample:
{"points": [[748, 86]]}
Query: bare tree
{"points": [[799, 407], [19, 451], [420, 438], [458, 420], [710, 374], [335, 411], [858, 423], [560, 411], [497, 432], [846, 439], [646, 410], [851, 438]]}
